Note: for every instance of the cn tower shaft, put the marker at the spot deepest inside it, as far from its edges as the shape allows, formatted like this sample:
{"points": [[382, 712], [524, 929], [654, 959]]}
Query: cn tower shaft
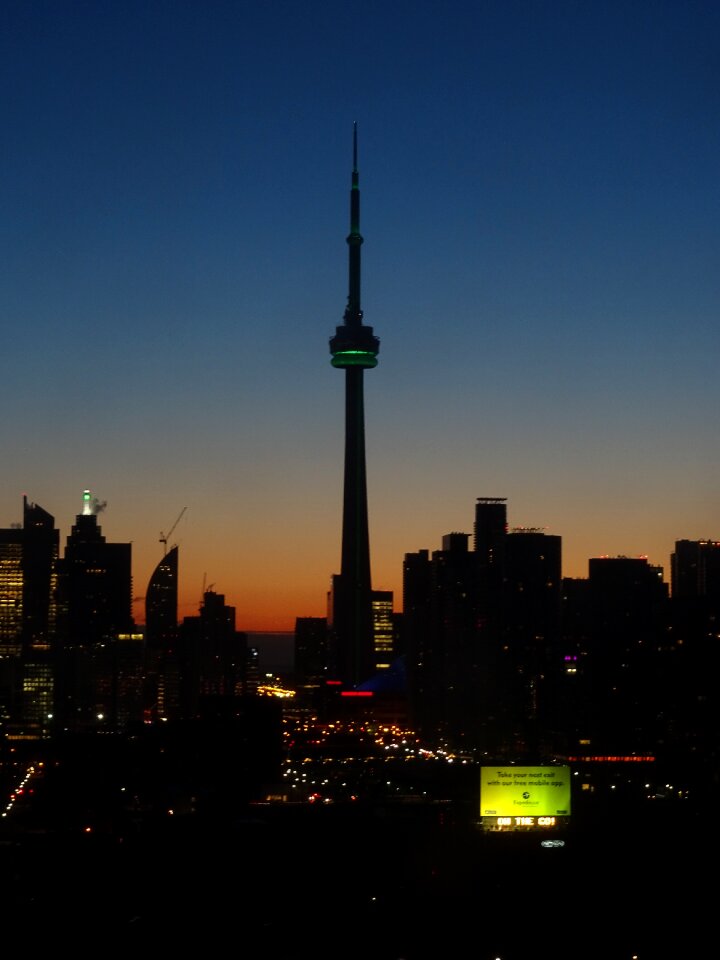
{"points": [[354, 349]]}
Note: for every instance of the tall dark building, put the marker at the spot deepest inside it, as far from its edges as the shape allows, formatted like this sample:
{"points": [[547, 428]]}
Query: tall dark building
{"points": [[96, 582], [213, 655], [28, 608], [39, 565], [490, 534], [11, 592], [95, 587], [417, 634], [40, 556], [354, 349], [532, 605], [161, 603], [614, 628], [490, 529], [695, 652], [383, 629], [449, 653], [162, 684], [310, 650], [695, 570]]}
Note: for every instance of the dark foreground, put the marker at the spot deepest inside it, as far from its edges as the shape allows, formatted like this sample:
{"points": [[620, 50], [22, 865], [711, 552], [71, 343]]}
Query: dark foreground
{"points": [[382, 882]]}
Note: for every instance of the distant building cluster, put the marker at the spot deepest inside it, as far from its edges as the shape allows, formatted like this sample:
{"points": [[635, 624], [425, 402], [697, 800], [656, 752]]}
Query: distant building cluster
{"points": [[497, 652], [72, 657]]}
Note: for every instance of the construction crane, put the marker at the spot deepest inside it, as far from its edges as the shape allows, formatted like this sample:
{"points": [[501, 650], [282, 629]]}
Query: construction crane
{"points": [[165, 537], [205, 590]]}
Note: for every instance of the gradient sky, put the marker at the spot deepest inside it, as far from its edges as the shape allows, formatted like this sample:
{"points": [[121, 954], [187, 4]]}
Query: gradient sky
{"points": [[540, 187]]}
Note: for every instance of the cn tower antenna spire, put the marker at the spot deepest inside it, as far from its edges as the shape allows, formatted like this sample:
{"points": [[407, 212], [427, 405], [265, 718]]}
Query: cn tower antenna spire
{"points": [[353, 313], [354, 348]]}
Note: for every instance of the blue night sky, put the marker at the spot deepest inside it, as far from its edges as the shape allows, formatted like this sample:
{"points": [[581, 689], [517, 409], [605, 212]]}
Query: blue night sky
{"points": [[539, 203]]}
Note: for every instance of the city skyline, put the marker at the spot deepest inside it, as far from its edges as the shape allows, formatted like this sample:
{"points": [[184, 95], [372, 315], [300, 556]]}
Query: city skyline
{"points": [[91, 505], [539, 208]]}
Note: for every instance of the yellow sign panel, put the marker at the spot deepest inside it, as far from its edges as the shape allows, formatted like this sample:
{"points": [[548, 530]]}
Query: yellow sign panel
{"points": [[525, 791]]}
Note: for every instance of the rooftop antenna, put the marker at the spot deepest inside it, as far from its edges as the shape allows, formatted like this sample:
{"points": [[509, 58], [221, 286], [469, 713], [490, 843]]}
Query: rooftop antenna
{"points": [[91, 505]]}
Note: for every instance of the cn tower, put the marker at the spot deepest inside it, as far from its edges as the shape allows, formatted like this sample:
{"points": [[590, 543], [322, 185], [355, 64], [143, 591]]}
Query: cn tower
{"points": [[354, 349]]}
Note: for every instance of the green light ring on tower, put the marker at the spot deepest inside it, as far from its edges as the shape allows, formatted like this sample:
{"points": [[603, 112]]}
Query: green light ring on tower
{"points": [[354, 358]]}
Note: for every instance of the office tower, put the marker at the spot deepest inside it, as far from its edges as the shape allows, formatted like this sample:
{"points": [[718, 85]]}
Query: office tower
{"points": [[128, 688], [695, 570], [161, 603], [695, 594], [620, 628], [162, 681], [213, 655], [490, 529], [383, 629], [627, 596], [96, 582], [310, 655], [489, 544], [39, 565], [694, 655], [533, 586], [354, 349], [28, 606], [532, 604], [11, 592], [417, 572], [447, 643], [161, 599], [95, 586], [457, 647]]}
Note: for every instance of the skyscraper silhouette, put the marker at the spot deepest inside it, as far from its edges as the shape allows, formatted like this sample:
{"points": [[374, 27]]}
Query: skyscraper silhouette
{"points": [[162, 669], [28, 610], [354, 349], [161, 604], [95, 593]]}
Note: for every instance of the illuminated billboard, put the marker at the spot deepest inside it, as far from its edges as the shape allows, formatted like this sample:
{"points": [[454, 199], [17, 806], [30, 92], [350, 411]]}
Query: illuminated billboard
{"points": [[527, 792]]}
